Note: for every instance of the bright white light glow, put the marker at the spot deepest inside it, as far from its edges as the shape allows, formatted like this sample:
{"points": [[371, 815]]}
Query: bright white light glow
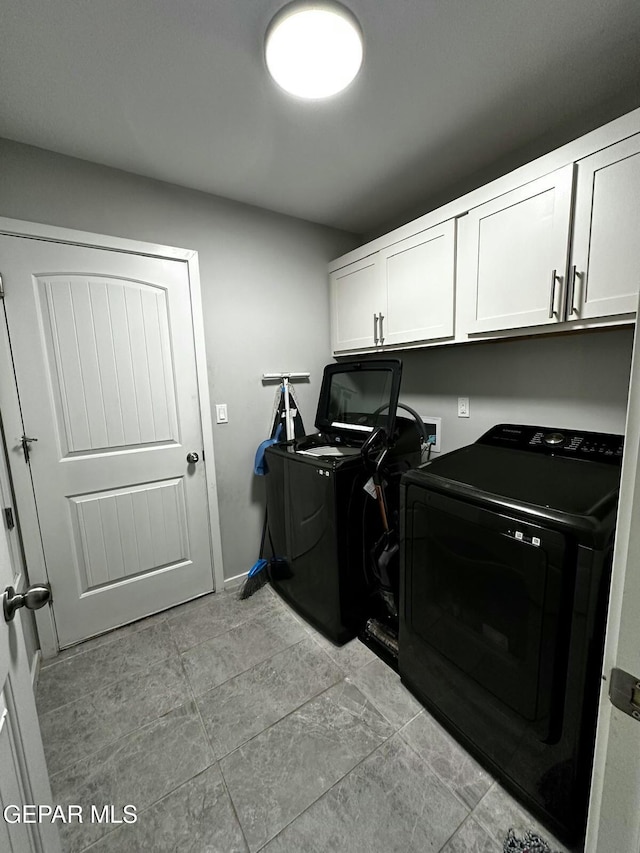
{"points": [[313, 50]]}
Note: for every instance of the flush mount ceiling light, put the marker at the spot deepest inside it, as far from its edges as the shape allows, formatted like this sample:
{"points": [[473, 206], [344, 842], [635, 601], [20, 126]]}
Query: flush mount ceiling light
{"points": [[313, 50]]}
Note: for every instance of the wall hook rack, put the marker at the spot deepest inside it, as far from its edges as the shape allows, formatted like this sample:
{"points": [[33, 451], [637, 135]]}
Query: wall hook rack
{"points": [[284, 378]]}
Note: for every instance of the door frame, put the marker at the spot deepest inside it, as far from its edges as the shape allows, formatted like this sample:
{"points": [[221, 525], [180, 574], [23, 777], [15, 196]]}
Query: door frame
{"points": [[10, 405], [614, 821], [45, 836]]}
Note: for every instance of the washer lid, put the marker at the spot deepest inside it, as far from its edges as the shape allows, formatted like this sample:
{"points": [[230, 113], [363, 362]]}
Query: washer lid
{"points": [[569, 486], [358, 396]]}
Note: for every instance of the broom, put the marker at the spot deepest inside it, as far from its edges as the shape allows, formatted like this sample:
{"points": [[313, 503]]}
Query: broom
{"points": [[257, 576]]}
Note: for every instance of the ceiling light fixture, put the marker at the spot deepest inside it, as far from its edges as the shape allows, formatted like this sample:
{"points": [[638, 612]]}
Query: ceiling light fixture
{"points": [[313, 50]]}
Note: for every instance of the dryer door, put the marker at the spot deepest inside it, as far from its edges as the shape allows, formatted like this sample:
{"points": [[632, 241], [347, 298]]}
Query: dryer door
{"points": [[484, 594]]}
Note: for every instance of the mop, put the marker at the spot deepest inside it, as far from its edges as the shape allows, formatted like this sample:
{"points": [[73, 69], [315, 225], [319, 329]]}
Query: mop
{"points": [[283, 414], [530, 842]]}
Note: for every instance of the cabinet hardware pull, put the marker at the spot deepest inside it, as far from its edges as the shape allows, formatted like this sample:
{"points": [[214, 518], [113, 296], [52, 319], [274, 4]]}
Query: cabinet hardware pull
{"points": [[572, 290], [381, 329], [554, 278], [375, 329]]}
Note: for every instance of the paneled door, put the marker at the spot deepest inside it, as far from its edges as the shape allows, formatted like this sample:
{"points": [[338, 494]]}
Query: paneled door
{"points": [[105, 367]]}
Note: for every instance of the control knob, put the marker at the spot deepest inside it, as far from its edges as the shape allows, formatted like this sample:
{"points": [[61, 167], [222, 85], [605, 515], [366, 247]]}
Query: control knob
{"points": [[553, 438]]}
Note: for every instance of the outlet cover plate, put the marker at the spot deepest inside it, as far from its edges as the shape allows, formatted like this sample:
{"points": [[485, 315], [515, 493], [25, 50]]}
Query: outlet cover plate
{"points": [[463, 407]]}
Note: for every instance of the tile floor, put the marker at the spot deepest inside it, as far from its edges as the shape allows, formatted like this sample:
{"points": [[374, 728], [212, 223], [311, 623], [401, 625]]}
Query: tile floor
{"points": [[233, 726]]}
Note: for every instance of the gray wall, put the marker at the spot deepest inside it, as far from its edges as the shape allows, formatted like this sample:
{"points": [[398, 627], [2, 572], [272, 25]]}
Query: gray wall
{"points": [[266, 309], [575, 381], [264, 290]]}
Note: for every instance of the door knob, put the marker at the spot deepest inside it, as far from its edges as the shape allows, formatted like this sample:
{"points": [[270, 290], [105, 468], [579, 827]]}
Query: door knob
{"points": [[33, 599], [192, 458]]}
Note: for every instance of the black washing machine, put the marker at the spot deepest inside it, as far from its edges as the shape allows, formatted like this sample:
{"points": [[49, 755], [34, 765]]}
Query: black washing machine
{"points": [[322, 521], [505, 564]]}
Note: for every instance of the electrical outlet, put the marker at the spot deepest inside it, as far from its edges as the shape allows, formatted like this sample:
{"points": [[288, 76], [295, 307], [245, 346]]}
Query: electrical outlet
{"points": [[221, 413], [463, 407]]}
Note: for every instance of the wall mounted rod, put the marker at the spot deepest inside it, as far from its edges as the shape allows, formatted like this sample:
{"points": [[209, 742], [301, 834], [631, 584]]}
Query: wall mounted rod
{"points": [[270, 377]]}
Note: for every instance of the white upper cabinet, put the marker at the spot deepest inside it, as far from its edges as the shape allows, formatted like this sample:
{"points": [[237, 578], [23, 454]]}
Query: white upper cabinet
{"points": [[418, 276], [604, 277], [556, 243], [514, 251], [401, 294], [357, 300]]}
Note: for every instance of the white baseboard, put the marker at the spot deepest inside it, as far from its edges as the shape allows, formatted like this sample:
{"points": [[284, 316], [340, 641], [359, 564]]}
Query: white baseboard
{"points": [[235, 581]]}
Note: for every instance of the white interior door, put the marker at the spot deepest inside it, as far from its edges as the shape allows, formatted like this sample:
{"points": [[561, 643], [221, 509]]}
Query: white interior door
{"points": [[23, 772], [105, 366], [614, 811]]}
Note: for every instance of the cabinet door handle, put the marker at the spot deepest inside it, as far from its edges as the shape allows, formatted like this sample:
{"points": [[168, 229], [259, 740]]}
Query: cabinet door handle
{"points": [[554, 278], [375, 329], [381, 329], [571, 308]]}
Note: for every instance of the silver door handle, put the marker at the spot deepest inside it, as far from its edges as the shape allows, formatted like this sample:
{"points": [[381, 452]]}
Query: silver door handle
{"points": [[554, 278], [33, 599], [571, 308], [381, 329], [375, 329], [192, 458]]}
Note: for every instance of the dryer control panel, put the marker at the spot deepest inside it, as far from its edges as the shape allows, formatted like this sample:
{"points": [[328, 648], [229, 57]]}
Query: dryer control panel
{"points": [[552, 441]]}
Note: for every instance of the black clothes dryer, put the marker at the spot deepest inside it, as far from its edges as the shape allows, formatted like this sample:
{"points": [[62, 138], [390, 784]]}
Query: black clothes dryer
{"points": [[505, 563], [322, 522]]}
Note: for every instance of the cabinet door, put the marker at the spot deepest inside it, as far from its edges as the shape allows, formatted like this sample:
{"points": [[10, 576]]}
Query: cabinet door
{"points": [[418, 274], [516, 253], [605, 272], [357, 300]]}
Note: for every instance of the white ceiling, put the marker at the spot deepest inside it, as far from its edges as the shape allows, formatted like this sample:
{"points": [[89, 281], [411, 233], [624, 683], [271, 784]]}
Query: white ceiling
{"points": [[177, 90]]}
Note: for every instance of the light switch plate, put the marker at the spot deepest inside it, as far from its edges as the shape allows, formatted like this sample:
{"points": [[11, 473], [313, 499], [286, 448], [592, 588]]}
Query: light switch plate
{"points": [[221, 413], [463, 407]]}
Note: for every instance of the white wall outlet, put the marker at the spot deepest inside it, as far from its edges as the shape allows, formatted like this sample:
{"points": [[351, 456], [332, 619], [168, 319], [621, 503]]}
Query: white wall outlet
{"points": [[434, 428], [463, 407], [221, 413]]}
